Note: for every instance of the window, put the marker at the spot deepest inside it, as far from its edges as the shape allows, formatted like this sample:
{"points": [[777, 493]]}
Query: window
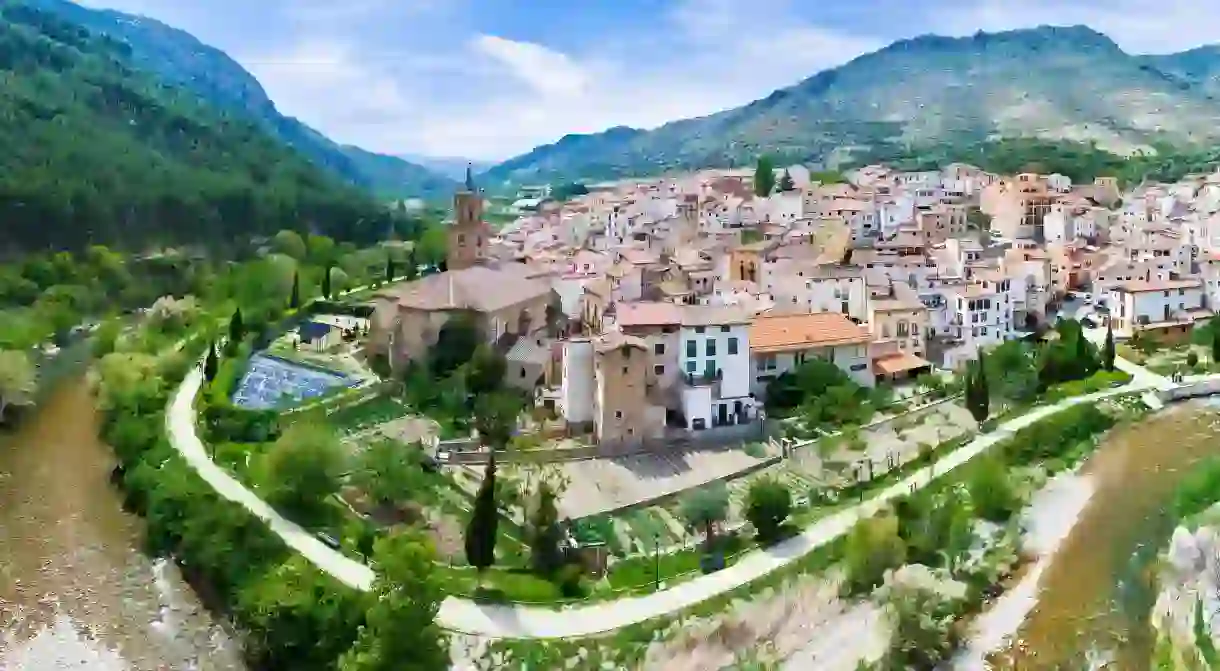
{"points": [[658, 348], [902, 329], [698, 329], [690, 367], [522, 372], [658, 369], [618, 414], [667, 329], [732, 345], [711, 347], [624, 370], [859, 366], [692, 348], [724, 329]]}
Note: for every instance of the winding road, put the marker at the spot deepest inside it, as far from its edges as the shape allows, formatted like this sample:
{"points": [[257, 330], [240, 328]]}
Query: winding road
{"points": [[524, 621]]}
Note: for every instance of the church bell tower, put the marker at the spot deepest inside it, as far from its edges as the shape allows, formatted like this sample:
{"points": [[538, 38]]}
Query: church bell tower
{"points": [[468, 236]]}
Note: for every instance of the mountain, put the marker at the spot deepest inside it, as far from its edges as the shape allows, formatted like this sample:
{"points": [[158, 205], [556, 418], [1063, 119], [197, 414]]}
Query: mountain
{"points": [[97, 152], [1198, 67], [453, 167], [1056, 83], [180, 59]]}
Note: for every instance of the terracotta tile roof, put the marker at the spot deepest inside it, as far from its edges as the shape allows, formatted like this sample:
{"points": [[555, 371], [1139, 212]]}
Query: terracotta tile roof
{"points": [[1139, 286], [899, 362], [478, 288], [781, 333], [714, 315], [647, 313]]}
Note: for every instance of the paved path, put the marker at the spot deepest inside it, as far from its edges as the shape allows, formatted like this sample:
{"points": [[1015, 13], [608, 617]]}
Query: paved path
{"points": [[520, 621]]}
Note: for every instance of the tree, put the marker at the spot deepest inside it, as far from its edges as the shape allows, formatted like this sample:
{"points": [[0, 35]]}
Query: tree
{"points": [[411, 272], [390, 472], [992, 494], [480, 539], [977, 392], [545, 536], [339, 280], [495, 418], [786, 182], [326, 282], [764, 176], [1215, 329], [211, 365], [768, 504], [17, 380], [298, 616], [455, 345], [389, 268], [705, 507], [873, 547], [486, 370], [237, 329], [302, 468], [289, 243], [294, 300], [400, 631], [1108, 352]]}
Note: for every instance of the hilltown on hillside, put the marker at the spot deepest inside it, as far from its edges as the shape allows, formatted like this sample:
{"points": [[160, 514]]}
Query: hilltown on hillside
{"points": [[673, 302]]}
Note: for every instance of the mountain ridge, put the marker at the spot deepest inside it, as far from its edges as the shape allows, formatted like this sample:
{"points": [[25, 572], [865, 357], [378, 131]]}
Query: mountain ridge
{"points": [[1070, 83], [179, 58]]}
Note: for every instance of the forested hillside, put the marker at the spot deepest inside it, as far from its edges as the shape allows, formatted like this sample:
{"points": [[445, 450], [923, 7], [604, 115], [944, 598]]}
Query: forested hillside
{"points": [[96, 152]]}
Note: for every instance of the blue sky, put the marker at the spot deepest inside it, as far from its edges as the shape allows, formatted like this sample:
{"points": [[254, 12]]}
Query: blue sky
{"points": [[490, 79]]}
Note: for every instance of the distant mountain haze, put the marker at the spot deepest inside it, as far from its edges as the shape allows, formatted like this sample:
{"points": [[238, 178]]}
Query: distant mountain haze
{"points": [[180, 59], [453, 167], [1056, 83]]}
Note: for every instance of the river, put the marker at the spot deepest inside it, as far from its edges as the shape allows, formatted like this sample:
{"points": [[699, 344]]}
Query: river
{"points": [[1095, 595], [76, 592]]}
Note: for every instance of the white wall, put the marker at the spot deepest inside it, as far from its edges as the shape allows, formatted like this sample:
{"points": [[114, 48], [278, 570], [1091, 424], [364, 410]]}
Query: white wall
{"points": [[735, 368], [576, 391]]}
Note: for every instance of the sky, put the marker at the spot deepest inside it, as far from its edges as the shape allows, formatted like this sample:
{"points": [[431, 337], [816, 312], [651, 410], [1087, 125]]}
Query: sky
{"points": [[490, 79]]}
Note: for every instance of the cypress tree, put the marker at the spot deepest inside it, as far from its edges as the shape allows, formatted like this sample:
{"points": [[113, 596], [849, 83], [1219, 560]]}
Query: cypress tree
{"points": [[294, 301], [326, 282], [977, 394], [412, 269], [1215, 326], [211, 364], [1108, 352], [480, 540], [389, 268], [764, 177], [237, 330]]}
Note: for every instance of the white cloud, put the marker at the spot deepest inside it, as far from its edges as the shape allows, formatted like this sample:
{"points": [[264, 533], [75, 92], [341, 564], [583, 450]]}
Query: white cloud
{"points": [[512, 95], [490, 97]]}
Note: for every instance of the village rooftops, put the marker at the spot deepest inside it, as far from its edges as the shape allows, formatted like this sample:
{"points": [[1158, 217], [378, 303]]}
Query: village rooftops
{"points": [[1144, 286], [647, 313], [714, 315], [478, 288], [613, 340], [785, 333]]}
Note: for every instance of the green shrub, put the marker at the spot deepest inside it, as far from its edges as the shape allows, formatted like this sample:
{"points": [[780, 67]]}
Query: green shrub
{"points": [[768, 504], [873, 547]]}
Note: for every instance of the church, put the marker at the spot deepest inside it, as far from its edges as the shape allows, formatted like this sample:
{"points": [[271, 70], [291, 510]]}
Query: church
{"points": [[505, 299]]}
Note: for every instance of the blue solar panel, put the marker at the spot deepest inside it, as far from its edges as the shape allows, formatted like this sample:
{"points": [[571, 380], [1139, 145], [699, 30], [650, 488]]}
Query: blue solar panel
{"points": [[271, 382]]}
